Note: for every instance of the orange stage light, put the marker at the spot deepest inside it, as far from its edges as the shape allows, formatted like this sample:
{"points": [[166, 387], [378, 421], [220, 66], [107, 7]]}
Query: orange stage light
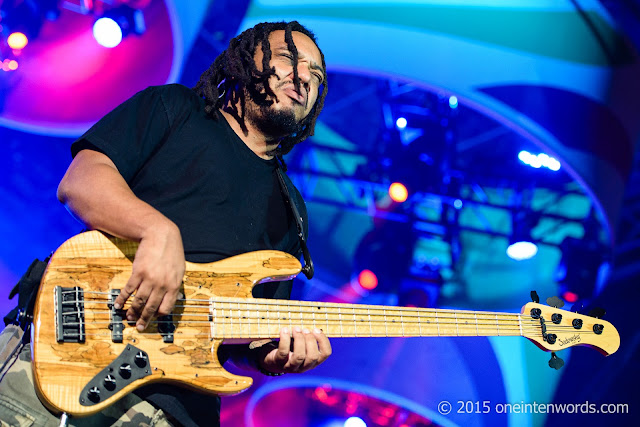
{"points": [[398, 192], [368, 279]]}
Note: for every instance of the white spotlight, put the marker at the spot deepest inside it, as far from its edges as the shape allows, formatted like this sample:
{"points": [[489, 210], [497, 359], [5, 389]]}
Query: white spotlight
{"points": [[107, 32]]}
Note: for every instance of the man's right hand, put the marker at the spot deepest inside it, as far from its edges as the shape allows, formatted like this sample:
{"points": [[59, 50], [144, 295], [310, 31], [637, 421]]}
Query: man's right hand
{"points": [[158, 269]]}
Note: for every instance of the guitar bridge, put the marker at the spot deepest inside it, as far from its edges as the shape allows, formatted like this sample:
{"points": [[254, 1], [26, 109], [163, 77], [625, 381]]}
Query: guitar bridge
{"points": [[69, 314]]}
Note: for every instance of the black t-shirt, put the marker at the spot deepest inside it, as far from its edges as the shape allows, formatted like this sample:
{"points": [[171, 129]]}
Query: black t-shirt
{"points": [[196, 171]]}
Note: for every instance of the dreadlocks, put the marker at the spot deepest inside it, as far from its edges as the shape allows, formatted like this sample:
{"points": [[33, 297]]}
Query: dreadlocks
{"points": [[234, 74]]}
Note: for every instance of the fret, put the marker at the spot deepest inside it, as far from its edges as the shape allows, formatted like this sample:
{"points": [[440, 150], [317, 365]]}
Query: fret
{"points": [[520, 325], [290, 319], [258, 325], [265, 316], [437, 323], [402, 323], [326, 313], [455, 317], [386, 333], [301, 319], [230, 321], [370, 325], [475, 315], [268, 319], [214, 315], [497, 325], [224, 324], [355, 322], [248, 320], [314, 318], [239, 328], [340, 319]]}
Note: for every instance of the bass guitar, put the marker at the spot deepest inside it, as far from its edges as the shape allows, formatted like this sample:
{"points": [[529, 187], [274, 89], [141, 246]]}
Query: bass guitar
{"points": [[86, 355]]}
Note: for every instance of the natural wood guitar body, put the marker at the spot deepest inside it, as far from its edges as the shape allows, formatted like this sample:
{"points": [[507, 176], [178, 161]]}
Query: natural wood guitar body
{"points": [[98, 264], [86, 356]]}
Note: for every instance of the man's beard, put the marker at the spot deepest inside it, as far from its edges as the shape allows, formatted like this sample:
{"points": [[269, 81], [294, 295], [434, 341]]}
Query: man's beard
{"points": [[272, 123]]}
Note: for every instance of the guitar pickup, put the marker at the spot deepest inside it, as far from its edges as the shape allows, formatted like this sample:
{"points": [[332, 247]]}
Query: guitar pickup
{"points": [[166, 327], [116, 317]]}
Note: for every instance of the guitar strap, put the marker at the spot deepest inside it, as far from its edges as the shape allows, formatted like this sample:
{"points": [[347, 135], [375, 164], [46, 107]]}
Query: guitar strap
{"points": [[307, 269], [17, 321], [26, 289]]}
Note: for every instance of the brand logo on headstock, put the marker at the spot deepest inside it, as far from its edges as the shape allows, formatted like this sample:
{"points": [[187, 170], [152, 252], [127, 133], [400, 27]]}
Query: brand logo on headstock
{"points": [[570, 340]]}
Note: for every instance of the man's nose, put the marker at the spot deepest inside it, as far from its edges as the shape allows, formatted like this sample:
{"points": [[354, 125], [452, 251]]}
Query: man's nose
{"points": [[304, 73]]}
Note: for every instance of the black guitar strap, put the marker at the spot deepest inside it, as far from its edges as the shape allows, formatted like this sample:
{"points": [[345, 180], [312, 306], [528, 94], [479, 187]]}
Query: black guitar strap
{"points": [[307, 269], [26, 289]]}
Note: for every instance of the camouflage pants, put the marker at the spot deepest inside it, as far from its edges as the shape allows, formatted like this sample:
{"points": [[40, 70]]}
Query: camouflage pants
{"points": [[19, 405]]}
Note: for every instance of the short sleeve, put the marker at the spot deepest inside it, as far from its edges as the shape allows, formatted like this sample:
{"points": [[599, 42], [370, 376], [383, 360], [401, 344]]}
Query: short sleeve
{"points": [[130, 133]]}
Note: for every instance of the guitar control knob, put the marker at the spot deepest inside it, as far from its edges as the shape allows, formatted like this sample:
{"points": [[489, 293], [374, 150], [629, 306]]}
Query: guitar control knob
{"points": [[110, 382], [577, 323], [125, 370], [141, 359], [94, 394]]}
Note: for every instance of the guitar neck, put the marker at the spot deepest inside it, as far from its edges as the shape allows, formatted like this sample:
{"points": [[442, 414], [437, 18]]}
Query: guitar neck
{"points": [[263, 318]]}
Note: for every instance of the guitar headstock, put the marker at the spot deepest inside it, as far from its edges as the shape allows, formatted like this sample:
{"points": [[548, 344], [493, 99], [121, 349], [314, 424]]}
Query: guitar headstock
{"points": [[553, 329]]}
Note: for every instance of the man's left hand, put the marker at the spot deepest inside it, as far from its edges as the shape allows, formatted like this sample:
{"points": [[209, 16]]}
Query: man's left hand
{"points": [[310, 348]]}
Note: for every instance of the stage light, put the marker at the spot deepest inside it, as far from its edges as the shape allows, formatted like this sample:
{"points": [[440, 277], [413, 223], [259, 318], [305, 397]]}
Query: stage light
{"points": [[9, 65], [17, 41], [570, 297], [553, 164], [524, 156], [401, 123], [520, 251], [457, 203], [398, 192], [355, 422], [538, 161], [453, 101], [116, 24], [368, 279], [521, 245], [107, 32]]}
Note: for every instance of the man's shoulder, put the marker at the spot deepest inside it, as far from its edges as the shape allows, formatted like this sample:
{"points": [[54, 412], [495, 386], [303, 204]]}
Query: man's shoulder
{"points": [[169, 93], [174, 91], [178, 100]]}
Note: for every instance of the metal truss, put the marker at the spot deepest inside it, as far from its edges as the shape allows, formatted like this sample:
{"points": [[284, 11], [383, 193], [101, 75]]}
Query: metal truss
{"points": [[327, 181]]}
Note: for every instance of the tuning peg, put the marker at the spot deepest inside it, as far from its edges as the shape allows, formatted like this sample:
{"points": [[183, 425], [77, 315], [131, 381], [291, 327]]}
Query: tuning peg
{"points": [[534, 297], [555, 302], [597, 312], [555, 362]]}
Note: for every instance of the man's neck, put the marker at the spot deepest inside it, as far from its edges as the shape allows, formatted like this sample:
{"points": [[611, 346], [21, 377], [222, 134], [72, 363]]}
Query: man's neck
{"points": [[253, 138]]}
